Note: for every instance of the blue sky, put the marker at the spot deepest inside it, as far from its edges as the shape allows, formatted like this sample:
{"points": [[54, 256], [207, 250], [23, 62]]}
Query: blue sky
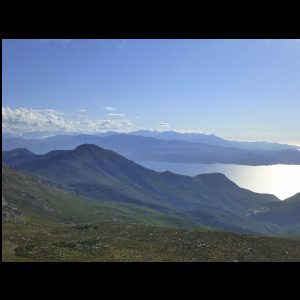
{"points": [[237, 89]]}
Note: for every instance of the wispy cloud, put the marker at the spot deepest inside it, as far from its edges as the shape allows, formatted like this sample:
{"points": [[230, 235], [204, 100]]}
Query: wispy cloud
{"points": [[115, 115], [82, 110], [105, 125], [109, 108], [192, 131], [164, 125]]}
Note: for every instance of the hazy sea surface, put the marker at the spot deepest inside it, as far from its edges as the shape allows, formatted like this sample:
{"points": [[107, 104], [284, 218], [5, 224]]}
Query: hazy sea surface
{"points": [[282, 181]]}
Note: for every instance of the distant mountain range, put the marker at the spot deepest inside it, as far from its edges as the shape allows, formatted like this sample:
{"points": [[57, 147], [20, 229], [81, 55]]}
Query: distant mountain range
{"points": [[167, 147], [209, 199], [212, 139]]}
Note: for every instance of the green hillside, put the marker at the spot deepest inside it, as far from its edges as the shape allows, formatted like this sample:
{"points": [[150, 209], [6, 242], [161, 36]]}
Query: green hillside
{"points": [[44, 223], [115, 241], [209, 199], [286, 214], [27, 199]]}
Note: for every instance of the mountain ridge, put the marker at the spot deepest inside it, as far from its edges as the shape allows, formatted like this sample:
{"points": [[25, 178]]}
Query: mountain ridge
{"points": [[210, 199], [213, 140], [138, 148]]}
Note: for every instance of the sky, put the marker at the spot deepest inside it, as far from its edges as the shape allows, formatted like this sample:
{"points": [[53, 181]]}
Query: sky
{"points": [[246, 90]]}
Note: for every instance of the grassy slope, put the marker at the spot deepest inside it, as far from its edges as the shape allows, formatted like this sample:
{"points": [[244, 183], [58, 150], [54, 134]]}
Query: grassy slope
{"points": [[119, 233], [47, 204], [115, 241]]}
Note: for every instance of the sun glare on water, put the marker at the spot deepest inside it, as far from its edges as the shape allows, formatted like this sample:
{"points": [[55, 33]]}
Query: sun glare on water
{"points": [[286, 187], [281, 180]]}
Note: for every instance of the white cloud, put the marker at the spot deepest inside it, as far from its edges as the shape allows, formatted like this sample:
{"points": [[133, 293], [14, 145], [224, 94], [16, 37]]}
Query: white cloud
{"points": [[22, 120], [82, 110], [115, 115], [28, 120], [105, 125], [109, 108]]}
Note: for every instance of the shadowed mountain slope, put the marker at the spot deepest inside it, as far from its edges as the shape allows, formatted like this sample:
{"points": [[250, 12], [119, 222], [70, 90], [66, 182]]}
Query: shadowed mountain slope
{"points": [[285, 213], [30, 199], [210, 199]]}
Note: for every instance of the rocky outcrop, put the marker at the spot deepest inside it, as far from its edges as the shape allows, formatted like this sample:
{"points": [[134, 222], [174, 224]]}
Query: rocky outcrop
{"points": [[8, 212]]}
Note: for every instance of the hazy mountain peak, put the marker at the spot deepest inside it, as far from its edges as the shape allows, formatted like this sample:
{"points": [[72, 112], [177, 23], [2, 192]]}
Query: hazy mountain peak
{"points": [[20, 152], [215, 178], [86, 146], [213, 175]]}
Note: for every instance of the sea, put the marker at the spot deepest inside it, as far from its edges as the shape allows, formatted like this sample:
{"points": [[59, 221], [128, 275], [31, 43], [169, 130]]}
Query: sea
{"points": [[280, 180]]}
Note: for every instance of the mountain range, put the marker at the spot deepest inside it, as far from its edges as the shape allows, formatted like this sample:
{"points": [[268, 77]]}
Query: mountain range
{"points": [[141, 148], [212, 139], [208, 199]]}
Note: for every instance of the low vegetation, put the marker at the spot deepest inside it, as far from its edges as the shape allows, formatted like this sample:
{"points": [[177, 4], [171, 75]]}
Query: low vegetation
{"points": [[117, 241], [44, 223]]}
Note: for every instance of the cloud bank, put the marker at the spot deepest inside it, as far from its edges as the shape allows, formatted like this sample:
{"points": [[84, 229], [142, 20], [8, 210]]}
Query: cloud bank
{"points": [[20, 121], [28, 120]]}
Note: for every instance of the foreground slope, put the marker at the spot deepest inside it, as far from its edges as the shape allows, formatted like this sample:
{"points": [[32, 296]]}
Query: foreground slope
{"points": [[113, 241], [210, 199], [46, 223]]}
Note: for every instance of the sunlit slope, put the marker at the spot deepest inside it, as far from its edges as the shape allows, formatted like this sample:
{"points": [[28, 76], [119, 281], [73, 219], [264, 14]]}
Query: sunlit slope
{"points": [[115, 241], [27, 199]]}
